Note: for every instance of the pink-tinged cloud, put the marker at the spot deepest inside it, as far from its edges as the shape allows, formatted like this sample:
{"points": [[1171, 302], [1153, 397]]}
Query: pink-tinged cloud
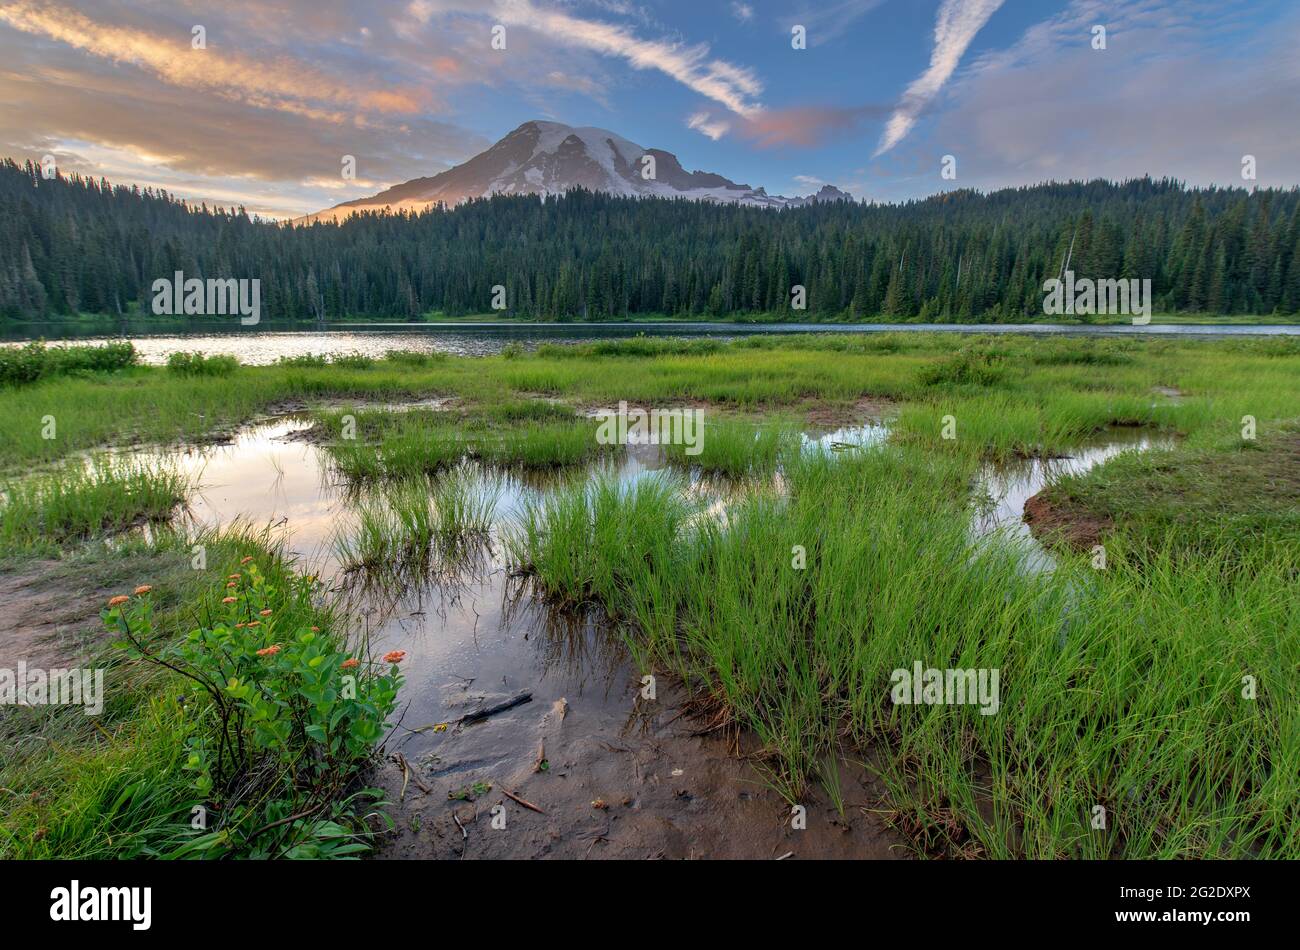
{"points": [[806, 126], [281, 84]]}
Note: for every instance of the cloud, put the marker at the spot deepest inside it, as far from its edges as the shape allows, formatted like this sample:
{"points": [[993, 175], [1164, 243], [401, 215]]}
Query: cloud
{"points": [[705, 124], [1184, 89], [580, 84], [828, 21], [955, 27], [742, 11], [805, 125], [280, 83], [737, 88], [103, 117]]}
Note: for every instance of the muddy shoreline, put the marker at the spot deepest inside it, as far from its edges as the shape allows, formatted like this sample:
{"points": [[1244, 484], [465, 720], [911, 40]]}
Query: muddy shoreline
{"points": [[656, 783]]}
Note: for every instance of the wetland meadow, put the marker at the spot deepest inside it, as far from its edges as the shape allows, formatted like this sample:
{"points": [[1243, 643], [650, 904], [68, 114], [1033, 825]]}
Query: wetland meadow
{"points": [[906, 595]]}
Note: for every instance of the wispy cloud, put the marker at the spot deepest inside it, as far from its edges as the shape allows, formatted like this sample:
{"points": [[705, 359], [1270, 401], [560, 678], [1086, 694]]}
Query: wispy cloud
{"points": [[955, 27], [706, 124], [742, 11], [827, 21], [737, 88]]}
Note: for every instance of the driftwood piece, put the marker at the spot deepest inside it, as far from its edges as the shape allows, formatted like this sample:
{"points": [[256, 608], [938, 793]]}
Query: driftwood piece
{"points": [[479, 715]]}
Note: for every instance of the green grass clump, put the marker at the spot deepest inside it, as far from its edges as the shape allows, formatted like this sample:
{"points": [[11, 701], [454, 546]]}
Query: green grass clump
{"points": [[83, 501], [538, 445], [418, 522], [413, 358], [967, 368], [1085, 352], [304, 360], [397, 444], [736, 448], [596, 542], [637, 347], [196, 364]]}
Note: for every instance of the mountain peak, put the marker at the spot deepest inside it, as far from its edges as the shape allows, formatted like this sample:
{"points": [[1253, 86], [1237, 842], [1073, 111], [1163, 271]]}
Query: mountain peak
{"points": [[545, 158]]}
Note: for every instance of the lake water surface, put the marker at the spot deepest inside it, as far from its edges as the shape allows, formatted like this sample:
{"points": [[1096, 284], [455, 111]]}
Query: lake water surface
{"points": [[255, 346]]}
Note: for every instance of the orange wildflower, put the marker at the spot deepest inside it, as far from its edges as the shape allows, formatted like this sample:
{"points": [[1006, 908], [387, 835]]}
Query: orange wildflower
{"points": [[266, 613], [119, 599], [395, 656], [229, 600], [351, 663], [143, 589], [269, 651]]}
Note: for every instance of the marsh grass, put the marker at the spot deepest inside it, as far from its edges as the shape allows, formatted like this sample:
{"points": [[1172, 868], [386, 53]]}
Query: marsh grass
{"points": [[1221, 501], [1122, 690], [397, 445], [78, 501], [736, 448], [417, 525], [1046, 384]]}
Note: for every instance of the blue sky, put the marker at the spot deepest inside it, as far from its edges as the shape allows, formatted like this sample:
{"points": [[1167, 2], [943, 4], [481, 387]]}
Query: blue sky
{"points": [[1014, 90]]}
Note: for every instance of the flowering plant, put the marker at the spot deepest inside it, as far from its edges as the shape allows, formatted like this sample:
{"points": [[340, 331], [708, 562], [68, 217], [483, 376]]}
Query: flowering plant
{"points": [[283, 716]]}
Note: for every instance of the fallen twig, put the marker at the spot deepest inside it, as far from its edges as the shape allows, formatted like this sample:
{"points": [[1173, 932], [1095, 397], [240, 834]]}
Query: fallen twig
{"points": [[515, 798]]}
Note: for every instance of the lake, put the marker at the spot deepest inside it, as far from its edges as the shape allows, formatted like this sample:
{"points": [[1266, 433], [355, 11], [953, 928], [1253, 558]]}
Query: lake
{"points": [[255, 346]]}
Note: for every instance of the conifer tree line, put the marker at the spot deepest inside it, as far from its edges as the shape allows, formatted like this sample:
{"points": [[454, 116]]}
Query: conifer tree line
{"points": [[76, 245]]}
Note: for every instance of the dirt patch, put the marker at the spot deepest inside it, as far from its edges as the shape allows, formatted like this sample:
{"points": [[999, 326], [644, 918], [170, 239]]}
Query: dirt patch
{"points": [[51, 616], [863, 410], [1064, 524], [592, 409], [48, 622], [660, 785]]}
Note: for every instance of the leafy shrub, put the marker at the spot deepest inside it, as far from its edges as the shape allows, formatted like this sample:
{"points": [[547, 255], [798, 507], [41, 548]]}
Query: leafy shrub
{"points": [[968, 367], [512, 351], [196, 364], [352, 360], [20, 365], [284, 721], [23, 364]]}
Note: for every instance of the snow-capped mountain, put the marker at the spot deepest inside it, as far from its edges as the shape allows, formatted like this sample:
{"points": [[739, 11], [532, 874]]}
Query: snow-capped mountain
{"points": [[548, 158]]}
